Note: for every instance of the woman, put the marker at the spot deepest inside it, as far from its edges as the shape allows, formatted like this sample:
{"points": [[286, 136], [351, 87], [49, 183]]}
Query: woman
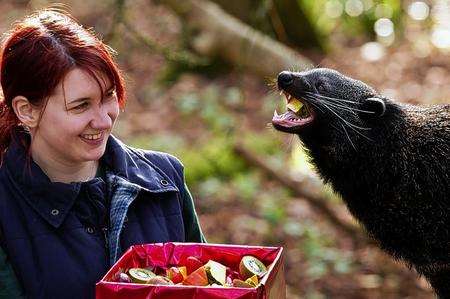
{"points": [[73, 197]]}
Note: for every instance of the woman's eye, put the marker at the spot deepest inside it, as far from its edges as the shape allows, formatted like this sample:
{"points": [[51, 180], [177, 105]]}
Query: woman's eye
{"points": [[111, 94], [81, 106]]}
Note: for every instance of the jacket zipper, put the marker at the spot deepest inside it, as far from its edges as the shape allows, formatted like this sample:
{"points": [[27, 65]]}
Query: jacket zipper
{"points": [[105, 235]]}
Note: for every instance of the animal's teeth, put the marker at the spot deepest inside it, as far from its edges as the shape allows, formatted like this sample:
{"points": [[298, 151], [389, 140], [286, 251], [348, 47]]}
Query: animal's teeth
{"points": [[275, 113], [288, 97], [281, 93]]}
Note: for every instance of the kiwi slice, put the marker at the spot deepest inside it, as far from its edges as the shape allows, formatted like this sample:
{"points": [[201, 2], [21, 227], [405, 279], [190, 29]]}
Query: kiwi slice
{"points": [[250, 266], [139, 275]]}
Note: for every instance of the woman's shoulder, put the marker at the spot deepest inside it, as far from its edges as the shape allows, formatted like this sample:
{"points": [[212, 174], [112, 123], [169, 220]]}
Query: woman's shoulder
{"points": [[158, 158], [137, 162], [164, 162]]}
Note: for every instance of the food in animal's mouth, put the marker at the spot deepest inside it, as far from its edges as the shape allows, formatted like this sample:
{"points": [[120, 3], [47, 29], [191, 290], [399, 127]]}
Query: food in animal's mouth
{"points": [[297, 115], [298, 107], [294, 105]]}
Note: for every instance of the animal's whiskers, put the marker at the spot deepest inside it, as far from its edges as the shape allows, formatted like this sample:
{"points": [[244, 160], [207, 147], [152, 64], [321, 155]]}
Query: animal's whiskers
{"points": [[330, 98], [349, 139], [334, 109], [339, 102]]}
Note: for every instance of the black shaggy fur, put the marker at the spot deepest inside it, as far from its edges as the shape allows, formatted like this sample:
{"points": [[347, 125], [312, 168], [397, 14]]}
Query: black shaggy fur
{"points": [[390, 162]]}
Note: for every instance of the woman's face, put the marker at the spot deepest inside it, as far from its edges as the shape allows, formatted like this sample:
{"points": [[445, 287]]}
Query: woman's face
{"points": [[76, 121]]}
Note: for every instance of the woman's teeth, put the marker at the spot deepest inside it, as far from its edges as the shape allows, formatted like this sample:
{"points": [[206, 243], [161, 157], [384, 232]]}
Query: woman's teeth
{"points": [[92, 136]]}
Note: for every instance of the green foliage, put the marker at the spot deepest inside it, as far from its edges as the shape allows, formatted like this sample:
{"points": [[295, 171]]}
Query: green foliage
{"points": [[211, 67], [247, 185], [360, 25], [273, 206], [213, 157], [209, 104], [320, 253]]}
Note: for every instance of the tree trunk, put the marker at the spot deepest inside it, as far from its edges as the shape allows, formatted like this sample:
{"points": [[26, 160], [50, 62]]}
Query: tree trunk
{"points": [[222, 35]]}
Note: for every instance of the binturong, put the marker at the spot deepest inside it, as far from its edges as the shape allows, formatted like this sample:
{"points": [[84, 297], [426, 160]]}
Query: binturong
{"points": [[390, 163]]}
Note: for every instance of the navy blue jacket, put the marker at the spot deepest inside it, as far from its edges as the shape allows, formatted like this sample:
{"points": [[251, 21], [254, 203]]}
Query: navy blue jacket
{"points": [[52, 254]]}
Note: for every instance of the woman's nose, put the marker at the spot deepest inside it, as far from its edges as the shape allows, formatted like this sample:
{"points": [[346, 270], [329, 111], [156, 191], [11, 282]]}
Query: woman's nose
{"points": [[285, 79], [101, 119]]}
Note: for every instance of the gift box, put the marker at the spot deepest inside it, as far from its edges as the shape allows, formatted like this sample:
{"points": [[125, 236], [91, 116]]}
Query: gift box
{"points": [[165, 255]]}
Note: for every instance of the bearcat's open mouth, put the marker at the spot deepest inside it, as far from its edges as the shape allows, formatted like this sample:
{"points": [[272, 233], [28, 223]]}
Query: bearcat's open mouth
{"points": [[298, 115]]}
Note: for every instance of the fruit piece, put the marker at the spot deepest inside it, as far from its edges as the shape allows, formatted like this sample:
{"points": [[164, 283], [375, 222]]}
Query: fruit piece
{"points": [[237, 283], [159, 280], [250, 266], [197, 278], [174, 274], [294, 105], [252, 280], [183, 271], [192, 264], [139, 275], [123, 277], [216, 272]]}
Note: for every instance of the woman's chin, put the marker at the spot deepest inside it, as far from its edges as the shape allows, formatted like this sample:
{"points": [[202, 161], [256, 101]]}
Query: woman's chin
{"points": [[94, 155]]}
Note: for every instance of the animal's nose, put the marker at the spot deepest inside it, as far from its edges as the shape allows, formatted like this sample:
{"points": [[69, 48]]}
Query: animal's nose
{"points": [[285, 79]]}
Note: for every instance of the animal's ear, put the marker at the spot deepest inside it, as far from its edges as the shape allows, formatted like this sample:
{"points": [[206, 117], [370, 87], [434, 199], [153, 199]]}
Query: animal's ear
{"points": [[374, 107]]}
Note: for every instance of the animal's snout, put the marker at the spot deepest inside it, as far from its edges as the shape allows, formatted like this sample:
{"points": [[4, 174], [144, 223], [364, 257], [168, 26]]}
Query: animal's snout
{"points": [[285, 79]]}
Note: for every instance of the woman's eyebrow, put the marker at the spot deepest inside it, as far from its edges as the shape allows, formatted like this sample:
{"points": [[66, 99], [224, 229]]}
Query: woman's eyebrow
{"points": [[80, 100]]}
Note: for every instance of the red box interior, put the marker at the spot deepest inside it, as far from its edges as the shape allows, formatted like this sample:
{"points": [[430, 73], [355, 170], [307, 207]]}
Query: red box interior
{"points": [[165, 255]]}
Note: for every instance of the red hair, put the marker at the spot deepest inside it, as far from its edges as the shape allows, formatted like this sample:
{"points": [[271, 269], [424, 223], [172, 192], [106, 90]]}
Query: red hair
{"points": [[36, 55]]}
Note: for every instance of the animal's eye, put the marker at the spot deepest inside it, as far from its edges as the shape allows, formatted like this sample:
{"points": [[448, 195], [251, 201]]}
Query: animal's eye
{"points": [[321, 87]]}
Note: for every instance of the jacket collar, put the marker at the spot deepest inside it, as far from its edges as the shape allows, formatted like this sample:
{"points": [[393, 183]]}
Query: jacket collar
{"points": [[132, 165], [53, 200]]}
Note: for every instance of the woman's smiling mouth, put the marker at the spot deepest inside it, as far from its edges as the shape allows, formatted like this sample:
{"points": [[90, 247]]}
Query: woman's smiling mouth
{"points": [[93, 139]]}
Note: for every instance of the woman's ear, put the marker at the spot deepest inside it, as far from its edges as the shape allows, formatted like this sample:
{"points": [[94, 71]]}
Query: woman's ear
{"points": [[375, 107], [26, 113]]}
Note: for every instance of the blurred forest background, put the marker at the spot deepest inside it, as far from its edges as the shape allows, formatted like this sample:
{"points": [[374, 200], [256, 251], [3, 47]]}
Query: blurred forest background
{"points": [[200, 86]]}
